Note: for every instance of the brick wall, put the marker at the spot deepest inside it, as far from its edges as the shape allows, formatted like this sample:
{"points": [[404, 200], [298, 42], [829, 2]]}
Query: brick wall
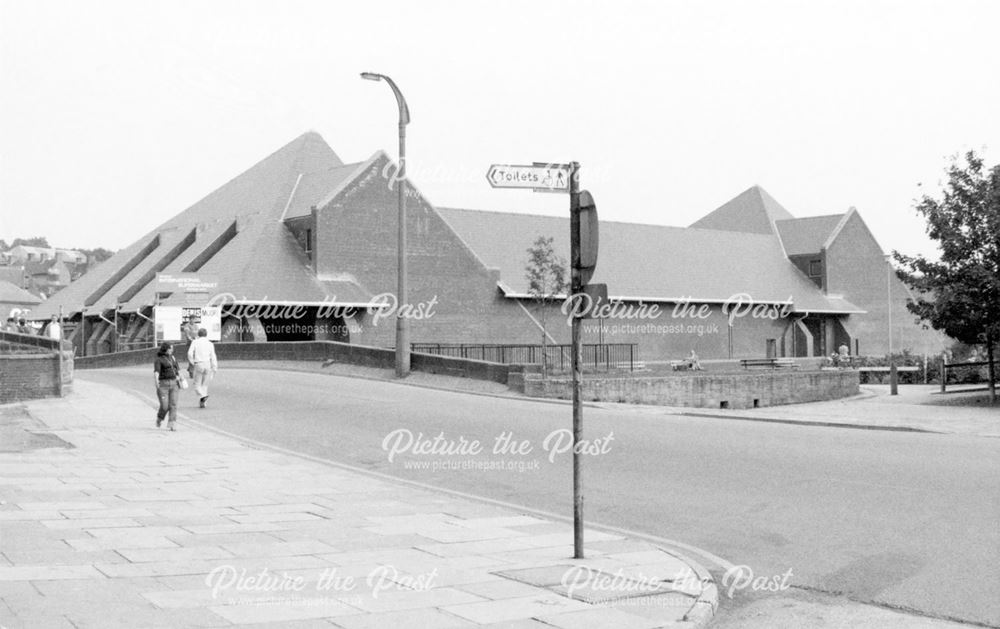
{"points": [[29, 376], [357, 234], [737, 390], [29, 367], [673, 333], [856, 268]]}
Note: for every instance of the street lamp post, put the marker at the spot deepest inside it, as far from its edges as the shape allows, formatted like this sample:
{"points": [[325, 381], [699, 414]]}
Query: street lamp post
{"points": [[893, 381], [402, 323]]}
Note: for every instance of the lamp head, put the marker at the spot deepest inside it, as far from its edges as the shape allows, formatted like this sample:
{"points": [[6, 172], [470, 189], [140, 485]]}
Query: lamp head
{"points": [[404, 111]]}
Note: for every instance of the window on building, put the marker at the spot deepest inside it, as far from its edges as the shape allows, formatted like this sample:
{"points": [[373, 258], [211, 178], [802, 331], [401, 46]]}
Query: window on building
{"points": [[815, 268], [309, 243]]}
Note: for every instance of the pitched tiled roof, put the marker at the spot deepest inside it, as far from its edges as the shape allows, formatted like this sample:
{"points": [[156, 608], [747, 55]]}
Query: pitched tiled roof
{"points": [[807, 235], [12, 274], [262, 191], [753, 211], [11, 294], [261, 262], [650, 262], [313, 187]]}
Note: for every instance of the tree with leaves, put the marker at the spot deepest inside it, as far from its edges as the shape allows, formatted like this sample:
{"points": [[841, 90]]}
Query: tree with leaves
{"points": [[36, 241], [546, 274], [960, 293]]}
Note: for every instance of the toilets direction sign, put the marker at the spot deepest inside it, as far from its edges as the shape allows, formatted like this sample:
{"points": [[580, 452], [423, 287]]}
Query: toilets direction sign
{"points": [[537, 177]]}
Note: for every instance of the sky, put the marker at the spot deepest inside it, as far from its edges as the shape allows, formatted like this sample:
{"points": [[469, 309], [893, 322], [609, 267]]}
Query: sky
{"points": [[115, 116]]}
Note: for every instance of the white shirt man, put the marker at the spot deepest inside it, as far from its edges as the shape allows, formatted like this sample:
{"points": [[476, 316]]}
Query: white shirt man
{"points": [[201, 354], [55, 330]]}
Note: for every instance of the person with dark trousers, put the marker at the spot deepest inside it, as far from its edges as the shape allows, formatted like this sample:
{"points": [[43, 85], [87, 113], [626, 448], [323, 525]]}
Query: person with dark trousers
{"points": [[167, 373]]}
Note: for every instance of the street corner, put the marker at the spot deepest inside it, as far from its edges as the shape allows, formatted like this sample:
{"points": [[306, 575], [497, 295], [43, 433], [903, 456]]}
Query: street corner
{"points": [[627, 584]]}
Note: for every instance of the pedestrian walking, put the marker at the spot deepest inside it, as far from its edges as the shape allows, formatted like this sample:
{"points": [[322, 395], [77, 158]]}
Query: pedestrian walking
{"points": [[201, 354], [188, 331], [167, 375]]}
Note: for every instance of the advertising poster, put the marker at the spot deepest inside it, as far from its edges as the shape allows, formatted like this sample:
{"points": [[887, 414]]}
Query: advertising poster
{"points": [[168, 321], [193, 319]]}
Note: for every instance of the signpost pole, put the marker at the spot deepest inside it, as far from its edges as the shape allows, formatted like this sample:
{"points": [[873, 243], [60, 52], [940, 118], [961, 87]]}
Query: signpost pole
{"points": [[542, 177], [576, 287]]}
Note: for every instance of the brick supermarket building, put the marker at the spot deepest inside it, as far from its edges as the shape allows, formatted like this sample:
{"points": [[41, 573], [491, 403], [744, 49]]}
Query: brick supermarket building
{"points": [[304, 247]]}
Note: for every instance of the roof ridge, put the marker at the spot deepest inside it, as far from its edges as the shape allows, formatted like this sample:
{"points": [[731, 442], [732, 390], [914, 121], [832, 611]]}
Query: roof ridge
{"points": [[806, 218], [357, 169], [295, 169], [329, 168], [603, 221]]}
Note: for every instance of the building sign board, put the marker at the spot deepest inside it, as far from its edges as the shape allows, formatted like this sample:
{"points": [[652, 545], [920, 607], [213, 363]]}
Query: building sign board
{"points": [[188, 289]]}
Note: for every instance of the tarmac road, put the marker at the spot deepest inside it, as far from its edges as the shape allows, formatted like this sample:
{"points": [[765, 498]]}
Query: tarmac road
{"points": [[907, 521]]}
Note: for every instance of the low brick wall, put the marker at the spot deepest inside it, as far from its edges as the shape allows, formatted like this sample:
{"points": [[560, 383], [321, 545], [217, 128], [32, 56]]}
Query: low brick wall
{"points": [[461, 367], [29, 367], [733, 390], [30, 376], [314, 350]]}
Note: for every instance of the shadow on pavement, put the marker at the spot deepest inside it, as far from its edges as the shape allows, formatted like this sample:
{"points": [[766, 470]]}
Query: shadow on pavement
{"points": [[20, 432]]}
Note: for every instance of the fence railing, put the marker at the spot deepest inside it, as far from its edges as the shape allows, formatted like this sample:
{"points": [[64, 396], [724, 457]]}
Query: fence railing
{"points": [[597, 357], [968, 376]]}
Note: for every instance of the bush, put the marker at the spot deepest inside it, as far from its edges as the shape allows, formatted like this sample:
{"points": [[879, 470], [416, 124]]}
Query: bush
{"points": [[902, 359]]}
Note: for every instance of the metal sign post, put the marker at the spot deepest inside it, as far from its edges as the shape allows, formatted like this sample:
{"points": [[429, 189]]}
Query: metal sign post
{"points": [[576, 285], [542, 177]]}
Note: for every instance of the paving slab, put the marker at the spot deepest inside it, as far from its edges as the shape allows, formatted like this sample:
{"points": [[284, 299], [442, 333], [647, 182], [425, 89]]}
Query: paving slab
{"points": [[195, 529]]}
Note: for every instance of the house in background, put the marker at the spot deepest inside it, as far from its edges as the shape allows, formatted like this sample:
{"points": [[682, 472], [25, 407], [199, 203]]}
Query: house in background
{"points": [[304, 247], [15, 301], [23, 254], [13, 274], [48, 277], [42, 271]]}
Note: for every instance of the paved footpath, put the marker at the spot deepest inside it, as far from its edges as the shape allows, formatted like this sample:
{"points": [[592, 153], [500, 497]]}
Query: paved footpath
{"points": [[130, 526], [917, 407]]}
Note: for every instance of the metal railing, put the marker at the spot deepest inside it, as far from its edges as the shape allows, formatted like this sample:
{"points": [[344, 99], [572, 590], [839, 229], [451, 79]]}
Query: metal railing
{"points": [[597, 357]]}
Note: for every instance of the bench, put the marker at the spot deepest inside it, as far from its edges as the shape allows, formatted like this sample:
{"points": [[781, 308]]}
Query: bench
{"points": [[772, 363], [636, 365]]}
